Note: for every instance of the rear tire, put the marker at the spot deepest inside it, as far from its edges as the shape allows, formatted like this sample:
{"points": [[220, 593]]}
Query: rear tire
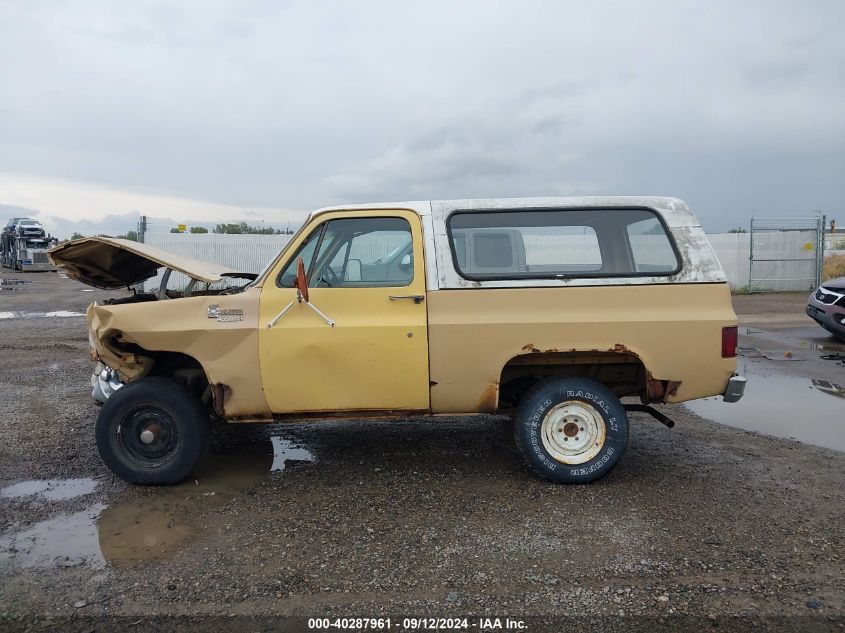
{"points": [[571, 430], [152, 431]]}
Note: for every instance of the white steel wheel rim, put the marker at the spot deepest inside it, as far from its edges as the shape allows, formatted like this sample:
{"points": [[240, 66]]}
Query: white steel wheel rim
{"points": [[573, 432]]}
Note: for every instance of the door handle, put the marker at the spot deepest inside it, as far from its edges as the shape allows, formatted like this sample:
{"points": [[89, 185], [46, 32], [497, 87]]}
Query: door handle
{"points": [[417, 299]]}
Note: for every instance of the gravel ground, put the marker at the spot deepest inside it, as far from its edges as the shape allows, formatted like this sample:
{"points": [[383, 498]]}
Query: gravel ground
{"points": [[696, 525]]}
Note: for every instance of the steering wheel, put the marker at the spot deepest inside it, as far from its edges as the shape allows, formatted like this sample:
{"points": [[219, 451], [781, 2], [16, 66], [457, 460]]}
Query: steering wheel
{"points": [[329, 277]]}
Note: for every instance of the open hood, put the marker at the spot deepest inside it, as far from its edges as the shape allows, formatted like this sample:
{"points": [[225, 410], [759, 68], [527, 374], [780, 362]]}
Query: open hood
{"points": [[109, 262]]}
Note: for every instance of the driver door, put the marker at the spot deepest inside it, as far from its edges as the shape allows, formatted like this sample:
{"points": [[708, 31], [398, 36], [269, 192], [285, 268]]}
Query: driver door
{"points": [[366, 274]]}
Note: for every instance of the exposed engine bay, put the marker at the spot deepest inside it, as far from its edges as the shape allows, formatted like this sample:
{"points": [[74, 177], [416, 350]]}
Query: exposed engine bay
{"points": [[141, 297]]}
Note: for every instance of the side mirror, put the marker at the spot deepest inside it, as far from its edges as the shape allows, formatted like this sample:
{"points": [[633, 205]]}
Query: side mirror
{"points": [[301, 283]]}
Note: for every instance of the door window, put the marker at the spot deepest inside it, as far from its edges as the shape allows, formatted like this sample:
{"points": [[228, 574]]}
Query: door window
{"points": [[364, 252], [355, 253]]}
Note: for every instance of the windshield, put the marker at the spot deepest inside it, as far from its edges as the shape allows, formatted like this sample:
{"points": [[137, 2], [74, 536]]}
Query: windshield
{"points": [[271, 263]]}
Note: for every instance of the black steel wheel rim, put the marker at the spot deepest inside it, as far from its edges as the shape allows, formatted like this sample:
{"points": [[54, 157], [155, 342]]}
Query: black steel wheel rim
{"points": [[148, 435]]}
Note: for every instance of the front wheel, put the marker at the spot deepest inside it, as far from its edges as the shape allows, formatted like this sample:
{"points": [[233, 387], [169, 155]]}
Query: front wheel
{"points": [[571, 430], [152, 431]]}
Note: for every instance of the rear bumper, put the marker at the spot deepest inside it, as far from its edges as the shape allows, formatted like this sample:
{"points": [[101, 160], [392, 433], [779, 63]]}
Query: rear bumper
{"points": [[735, 388]]}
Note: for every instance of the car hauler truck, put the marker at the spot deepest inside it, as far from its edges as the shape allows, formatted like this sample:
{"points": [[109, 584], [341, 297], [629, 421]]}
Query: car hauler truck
{"points": [[26, 253]]}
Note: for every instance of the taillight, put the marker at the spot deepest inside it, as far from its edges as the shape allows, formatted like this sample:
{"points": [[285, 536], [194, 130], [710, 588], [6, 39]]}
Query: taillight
{"points": [[729, 341]]}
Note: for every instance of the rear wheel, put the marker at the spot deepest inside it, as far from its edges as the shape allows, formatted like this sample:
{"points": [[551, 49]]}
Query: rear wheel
{"points": [[571, 430], [152, 431]]}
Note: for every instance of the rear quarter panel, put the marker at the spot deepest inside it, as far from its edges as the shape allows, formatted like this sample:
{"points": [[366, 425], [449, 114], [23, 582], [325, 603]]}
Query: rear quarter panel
{"points": [[675, 329]]}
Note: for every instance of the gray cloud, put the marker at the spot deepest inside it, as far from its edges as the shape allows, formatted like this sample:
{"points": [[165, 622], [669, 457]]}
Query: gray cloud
{"points": [[120, 223], [115, 224], [733, 106]]}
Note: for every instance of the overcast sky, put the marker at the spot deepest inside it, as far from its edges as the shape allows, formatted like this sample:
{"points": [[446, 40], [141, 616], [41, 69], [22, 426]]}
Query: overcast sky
{"points": [[264, 110]]}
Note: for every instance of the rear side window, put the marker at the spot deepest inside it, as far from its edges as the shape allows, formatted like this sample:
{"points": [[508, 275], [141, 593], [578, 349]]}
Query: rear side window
{"points": [[561, 243], [650, 247]]}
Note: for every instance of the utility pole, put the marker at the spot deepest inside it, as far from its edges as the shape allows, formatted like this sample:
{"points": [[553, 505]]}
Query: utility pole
{"points": [[142, 228]]}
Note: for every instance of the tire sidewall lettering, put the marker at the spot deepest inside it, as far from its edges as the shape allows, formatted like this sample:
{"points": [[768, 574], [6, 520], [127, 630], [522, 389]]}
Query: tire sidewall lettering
{"points": [[611, 413]]}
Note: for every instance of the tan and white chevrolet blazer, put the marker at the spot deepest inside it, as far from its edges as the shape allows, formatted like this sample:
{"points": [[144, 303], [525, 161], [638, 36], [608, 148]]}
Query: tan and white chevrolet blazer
{"points": [[550, 310]]}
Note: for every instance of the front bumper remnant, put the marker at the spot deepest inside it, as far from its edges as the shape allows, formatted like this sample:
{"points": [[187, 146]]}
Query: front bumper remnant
{"points": [[735, 389], [104, 382]]}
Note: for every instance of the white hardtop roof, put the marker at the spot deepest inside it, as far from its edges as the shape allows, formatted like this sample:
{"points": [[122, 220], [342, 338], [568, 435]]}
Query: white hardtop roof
{"points": [[673, 210]]}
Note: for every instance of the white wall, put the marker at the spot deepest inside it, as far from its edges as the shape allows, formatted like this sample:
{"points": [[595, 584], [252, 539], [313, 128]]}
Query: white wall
{"points": [[733, 250], [793, 252], [246, 253], [250, 253]]}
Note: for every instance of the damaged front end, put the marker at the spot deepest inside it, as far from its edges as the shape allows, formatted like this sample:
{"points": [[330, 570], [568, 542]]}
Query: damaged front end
{"points": [[193, 335], [110, 348], [116, 363], [104, 382]]}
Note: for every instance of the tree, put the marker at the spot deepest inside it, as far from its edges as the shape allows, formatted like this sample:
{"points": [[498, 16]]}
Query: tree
{"points": [[199, 229], [76, 236], [241, 228], [738, 230], [175, 230], [130, 235]]}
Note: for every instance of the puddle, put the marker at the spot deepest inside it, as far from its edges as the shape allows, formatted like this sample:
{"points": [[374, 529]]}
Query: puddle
{"points": [[156, 525], [65, 541], [832, 347], [285, 451], [829, 387], [810, 411], [50, 489], [149, 527], [37, 315], [142, 530]]}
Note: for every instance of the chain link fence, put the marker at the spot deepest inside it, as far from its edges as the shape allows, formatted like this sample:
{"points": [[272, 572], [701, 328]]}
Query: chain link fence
{"points": [[785, 254]]}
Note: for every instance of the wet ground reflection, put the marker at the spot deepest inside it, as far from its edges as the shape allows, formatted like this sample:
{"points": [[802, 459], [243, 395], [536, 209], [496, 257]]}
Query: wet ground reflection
{"points": [[145, 528], [36, 315], [794, 407], [50, 489]]}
